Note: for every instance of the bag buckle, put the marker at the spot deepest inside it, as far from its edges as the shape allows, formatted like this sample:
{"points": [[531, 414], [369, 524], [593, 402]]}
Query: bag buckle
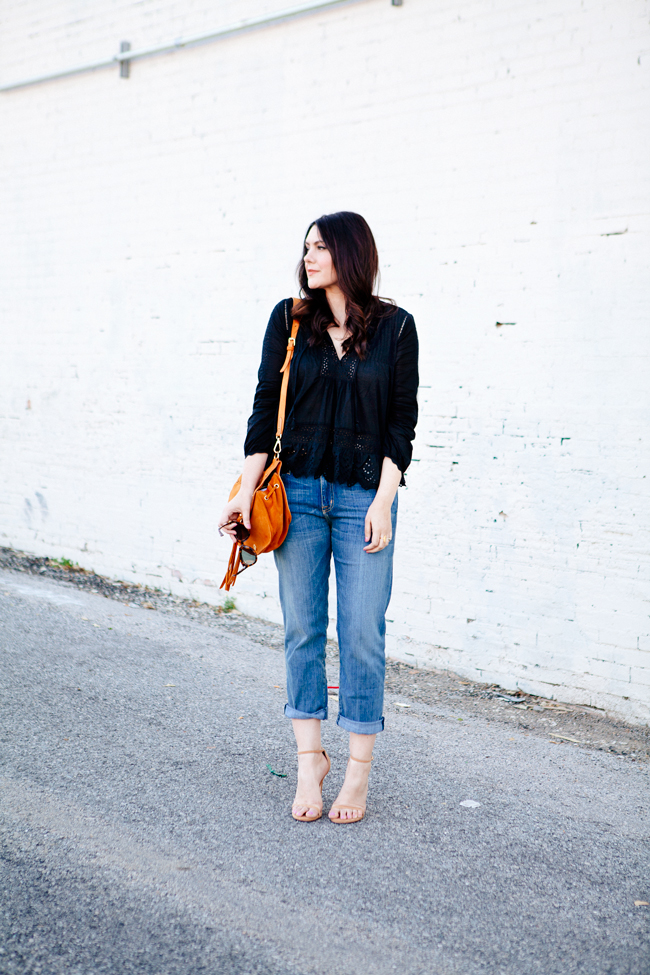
{"points": [[277, 448]]}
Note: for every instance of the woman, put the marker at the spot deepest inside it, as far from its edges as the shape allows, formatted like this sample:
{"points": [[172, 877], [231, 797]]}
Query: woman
{"points": [[351, 414]]}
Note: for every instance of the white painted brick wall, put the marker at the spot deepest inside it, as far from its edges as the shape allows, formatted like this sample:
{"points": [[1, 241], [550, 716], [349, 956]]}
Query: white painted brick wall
{"points": [[500, 152]]}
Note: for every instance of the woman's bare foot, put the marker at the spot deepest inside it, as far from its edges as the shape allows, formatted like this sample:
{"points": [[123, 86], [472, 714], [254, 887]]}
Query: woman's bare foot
{"points": [[350, 804], [309, 800]]}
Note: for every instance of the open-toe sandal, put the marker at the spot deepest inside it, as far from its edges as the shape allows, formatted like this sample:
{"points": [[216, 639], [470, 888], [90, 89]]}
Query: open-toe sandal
{"points": [[338, 807], [313, 805]]}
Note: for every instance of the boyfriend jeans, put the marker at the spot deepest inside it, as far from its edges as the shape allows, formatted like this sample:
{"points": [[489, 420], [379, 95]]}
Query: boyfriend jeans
{"points": [[328, 519]]}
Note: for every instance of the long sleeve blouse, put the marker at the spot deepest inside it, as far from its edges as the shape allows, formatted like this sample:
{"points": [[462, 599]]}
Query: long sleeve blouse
{"points": [[343, 416]]}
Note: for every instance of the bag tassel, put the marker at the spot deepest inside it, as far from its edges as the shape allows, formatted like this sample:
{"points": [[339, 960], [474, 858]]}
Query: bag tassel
{"points": [[231, 571]]}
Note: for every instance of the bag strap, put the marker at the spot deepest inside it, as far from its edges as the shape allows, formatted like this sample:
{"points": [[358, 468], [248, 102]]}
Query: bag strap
{"points": [[291, 346]]}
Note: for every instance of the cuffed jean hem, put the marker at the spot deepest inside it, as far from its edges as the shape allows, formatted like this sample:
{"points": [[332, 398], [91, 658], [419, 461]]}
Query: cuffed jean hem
{"points": [[360, 727], [292, 713]]}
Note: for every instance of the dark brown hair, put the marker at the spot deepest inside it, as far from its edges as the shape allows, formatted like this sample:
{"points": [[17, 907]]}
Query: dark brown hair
{"points": [[349, 240]]}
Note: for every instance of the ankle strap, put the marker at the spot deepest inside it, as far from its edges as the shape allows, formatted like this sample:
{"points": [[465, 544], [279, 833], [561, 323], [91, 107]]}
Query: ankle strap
{"points": [[366, 761], [313, 751]]}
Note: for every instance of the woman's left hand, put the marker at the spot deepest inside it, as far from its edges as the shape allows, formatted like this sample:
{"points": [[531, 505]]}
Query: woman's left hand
{"points": [[379, 526]]}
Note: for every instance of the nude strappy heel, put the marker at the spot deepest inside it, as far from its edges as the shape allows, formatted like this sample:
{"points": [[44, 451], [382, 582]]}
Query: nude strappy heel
{"points": [[313, 805], [349, 805]]}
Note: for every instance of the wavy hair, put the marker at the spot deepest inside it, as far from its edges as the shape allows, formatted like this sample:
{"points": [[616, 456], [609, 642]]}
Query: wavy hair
{"points": [[352, 246]]}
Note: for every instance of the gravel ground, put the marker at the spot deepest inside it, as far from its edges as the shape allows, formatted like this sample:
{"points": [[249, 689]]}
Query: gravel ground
{"points": [[146, 779]]}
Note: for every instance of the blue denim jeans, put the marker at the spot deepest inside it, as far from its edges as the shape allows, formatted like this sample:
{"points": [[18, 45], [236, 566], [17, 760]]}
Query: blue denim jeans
{"points": [[328, 519]]}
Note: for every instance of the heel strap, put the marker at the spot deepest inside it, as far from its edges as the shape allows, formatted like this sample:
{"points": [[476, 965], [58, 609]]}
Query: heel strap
{"points": [[366, 761], [313, 751]]}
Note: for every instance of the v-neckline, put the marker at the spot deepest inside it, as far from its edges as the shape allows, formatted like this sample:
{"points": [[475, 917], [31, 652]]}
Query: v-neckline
{"points": [[336, 351]]}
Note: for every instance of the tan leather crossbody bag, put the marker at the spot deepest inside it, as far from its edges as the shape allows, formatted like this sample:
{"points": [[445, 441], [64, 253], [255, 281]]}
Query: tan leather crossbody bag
{"points": [[270, 515]]}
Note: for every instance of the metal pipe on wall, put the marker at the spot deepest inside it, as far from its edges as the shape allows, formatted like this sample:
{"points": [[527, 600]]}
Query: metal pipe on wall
{"points": [[126, 56]]}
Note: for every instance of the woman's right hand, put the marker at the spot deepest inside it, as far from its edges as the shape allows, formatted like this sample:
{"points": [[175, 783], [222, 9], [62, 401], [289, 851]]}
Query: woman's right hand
{"points": [[241, 503]]}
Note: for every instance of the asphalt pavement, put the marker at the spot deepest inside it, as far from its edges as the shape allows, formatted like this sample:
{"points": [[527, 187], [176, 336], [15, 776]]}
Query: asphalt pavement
{"points": [[143, 829]]}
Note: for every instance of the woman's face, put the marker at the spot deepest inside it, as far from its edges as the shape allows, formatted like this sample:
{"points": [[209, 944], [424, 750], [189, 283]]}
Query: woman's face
{"points": [[319, 265]]}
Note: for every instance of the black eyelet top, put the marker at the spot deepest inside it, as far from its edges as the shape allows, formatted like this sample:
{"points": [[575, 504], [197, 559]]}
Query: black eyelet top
{"points": [[343, 415]]}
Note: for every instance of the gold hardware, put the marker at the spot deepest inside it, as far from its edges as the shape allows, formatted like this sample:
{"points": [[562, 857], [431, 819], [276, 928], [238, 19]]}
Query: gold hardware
{"points": [[277, 448]]}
